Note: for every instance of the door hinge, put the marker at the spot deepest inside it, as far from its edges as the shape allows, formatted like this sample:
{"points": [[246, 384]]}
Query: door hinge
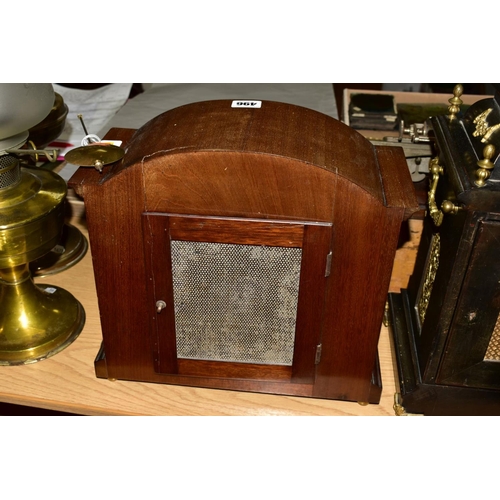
{"points": [[317, 359], [328, 265]]}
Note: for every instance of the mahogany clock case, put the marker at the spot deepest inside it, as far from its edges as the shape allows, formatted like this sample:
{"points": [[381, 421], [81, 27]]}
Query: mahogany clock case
{"points": [[246, 249]]}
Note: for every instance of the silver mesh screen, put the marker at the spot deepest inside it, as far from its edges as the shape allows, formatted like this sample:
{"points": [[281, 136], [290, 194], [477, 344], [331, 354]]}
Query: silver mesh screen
{"points": [[10, 172], [235, 302]]}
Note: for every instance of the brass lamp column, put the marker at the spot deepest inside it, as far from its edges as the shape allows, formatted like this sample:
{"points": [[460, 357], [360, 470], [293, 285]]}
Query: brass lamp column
{"points": [[35, 321]]}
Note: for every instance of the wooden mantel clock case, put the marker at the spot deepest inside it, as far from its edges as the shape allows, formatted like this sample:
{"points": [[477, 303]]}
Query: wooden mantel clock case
{"points": [[446, 324], [246, 249]]}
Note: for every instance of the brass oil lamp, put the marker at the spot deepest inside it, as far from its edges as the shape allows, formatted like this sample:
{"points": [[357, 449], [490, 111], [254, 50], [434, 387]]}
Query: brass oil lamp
{"points": [[36, 322]]}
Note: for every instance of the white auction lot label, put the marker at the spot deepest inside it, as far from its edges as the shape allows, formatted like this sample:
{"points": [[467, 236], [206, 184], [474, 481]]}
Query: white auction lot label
{"points": [[246, 104]]}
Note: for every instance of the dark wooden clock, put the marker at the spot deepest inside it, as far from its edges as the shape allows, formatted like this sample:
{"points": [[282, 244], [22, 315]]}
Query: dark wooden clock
{"points": [[446, 324], [246, 248]]}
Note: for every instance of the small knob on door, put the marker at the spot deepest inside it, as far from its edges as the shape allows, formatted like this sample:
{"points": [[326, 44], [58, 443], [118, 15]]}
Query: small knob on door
{"points": [[160, 304]]}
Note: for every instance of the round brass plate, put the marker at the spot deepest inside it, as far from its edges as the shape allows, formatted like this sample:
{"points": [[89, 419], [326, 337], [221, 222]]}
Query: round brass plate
{"points": [[70, 249], [89, 156]]}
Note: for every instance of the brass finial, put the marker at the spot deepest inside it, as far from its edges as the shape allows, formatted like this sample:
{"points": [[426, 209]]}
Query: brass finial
{"points": [[485, 166], [455, 101], [448, 207]]}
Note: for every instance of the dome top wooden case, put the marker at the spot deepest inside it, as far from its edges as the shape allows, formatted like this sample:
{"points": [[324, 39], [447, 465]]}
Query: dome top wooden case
{"points": [[246, 249]]}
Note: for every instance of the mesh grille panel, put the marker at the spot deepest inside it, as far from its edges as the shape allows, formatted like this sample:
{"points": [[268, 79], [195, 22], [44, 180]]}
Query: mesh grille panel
{"points": [[493, 351], [235, 302], [10, 173]]}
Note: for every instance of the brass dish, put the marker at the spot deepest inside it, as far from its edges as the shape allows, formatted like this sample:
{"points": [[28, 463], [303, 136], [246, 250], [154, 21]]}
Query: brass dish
{"points": [[95, 155]]}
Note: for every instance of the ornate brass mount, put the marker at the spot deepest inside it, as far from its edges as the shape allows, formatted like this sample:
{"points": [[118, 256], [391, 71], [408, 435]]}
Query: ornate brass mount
{"points": [[485, 166], [447, 207], [455, 101], [483, 129], [429, 277]]}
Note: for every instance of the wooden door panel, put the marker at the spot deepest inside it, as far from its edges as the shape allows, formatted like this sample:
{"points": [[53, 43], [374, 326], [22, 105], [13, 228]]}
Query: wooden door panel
{"points": [[173, 241]]}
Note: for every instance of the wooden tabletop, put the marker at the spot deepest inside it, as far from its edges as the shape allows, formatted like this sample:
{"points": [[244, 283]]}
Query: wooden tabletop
{"points": [[67, 382]]}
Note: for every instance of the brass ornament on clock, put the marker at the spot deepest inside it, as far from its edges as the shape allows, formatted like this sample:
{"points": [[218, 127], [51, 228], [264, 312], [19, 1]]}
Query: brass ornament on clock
{"points": [[430, 276]]}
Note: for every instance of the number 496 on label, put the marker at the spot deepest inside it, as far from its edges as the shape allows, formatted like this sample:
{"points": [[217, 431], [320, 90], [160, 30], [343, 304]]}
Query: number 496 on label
{"points": [[246, 104]]}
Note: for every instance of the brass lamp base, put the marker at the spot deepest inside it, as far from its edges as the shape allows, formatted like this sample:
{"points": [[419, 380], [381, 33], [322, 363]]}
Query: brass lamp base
{"points": [[36, 322]]}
